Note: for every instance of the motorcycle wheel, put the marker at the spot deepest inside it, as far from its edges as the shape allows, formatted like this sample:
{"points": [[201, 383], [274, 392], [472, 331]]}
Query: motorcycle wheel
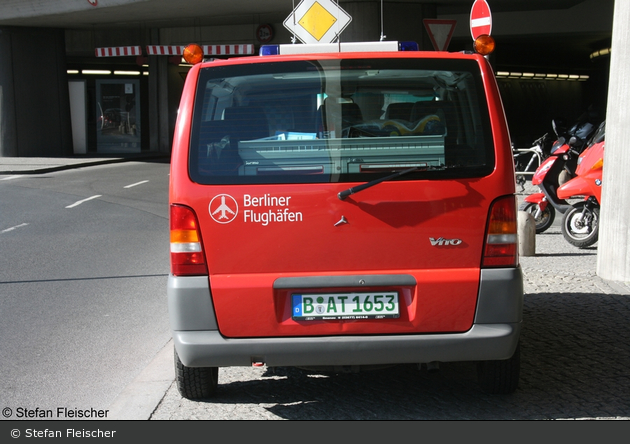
{"points": [[581, 231], [544, 220]]}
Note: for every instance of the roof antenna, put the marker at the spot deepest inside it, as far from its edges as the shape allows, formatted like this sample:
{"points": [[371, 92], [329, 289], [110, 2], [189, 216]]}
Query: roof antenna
{"points": [[337, 35], [294, 38], [382, 35]]}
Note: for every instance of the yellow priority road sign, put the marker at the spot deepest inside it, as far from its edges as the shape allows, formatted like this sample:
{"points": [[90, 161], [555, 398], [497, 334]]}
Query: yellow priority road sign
{"points": [[317, 21]]}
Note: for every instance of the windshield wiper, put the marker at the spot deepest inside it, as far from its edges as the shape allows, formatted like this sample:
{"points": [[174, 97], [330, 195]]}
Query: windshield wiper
{"points": [[345, 193]]}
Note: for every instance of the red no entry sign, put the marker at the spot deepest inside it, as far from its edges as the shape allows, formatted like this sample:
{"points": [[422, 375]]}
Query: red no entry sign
{"points": [[480, 19]]}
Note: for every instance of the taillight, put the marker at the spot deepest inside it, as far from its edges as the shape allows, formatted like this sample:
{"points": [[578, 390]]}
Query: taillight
{"points": [[501, 248], [187, 256]]}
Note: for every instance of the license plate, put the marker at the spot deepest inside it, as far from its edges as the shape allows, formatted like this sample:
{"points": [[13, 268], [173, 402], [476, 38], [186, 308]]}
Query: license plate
{"points": [[345, 306]]}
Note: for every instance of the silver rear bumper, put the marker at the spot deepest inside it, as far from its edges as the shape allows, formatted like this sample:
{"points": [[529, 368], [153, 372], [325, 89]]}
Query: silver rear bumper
{"points": [[493, 336]]}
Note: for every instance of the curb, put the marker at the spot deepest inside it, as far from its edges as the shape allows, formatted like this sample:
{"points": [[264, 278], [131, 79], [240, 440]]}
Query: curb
{"points": [[51, 169], [25, 166], [141, 397]]}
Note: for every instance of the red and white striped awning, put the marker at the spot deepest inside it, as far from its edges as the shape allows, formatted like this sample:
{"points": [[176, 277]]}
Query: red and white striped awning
{"points": [[228, 49], [208, 50], [165, 50], [175, 50], [119, 51]]}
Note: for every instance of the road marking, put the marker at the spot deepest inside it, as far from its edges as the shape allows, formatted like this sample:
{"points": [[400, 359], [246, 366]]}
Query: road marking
{"points": [[13, 228], [84, 200], [135, 184], [10, 177]]}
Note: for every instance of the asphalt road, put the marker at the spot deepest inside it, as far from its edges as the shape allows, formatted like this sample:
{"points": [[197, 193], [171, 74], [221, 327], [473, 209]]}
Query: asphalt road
{"points": [[83, 270]]}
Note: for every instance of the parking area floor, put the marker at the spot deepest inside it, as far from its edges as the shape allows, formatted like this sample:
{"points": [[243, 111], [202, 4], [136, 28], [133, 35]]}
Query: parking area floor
{"points": [[575, 353]]}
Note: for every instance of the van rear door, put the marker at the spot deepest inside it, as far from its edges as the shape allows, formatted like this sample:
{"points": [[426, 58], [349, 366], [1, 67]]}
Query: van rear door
{"points": [[274, 143]]}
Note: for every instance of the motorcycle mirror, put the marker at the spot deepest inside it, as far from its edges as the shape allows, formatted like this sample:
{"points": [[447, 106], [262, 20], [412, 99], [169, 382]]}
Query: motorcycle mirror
{"points": [[559, 126], [557, 144]]}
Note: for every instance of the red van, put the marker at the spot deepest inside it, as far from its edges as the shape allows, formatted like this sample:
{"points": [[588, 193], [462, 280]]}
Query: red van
{"points": [[340, 206]]}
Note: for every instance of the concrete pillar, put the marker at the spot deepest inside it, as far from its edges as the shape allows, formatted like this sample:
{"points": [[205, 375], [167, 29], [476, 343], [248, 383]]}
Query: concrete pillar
{"points": [[34, 97], [8, 130], [613, 256], [158, 104], [159, 139]]}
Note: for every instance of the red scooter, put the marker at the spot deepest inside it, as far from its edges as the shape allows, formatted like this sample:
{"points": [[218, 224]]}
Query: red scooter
{"points": [[548, 177], [557, 169], [580, 224]]}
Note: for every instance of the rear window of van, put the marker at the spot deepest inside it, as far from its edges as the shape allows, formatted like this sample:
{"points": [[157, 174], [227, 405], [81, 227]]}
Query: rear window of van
{"points": [[347, 120]]}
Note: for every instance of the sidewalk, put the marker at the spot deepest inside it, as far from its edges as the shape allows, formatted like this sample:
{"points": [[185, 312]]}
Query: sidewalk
{"points": [[41, 165]]}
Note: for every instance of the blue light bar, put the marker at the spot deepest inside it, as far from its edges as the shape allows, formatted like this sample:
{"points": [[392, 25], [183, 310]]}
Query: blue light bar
{"points": [[266, 50], [318, 48], [408, 46]]}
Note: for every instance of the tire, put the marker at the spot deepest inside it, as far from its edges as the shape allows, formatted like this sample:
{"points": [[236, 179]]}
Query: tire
{"points": [[500, 377], [581, 231], [544, 220], [195, 382]]}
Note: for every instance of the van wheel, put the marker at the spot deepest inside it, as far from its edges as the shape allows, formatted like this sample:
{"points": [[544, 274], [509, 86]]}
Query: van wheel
{"points": [[195, 382], [500, 377]]}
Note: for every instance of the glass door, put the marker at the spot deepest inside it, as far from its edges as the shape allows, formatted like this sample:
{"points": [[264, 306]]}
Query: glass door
{"points": [[118, 116]]}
